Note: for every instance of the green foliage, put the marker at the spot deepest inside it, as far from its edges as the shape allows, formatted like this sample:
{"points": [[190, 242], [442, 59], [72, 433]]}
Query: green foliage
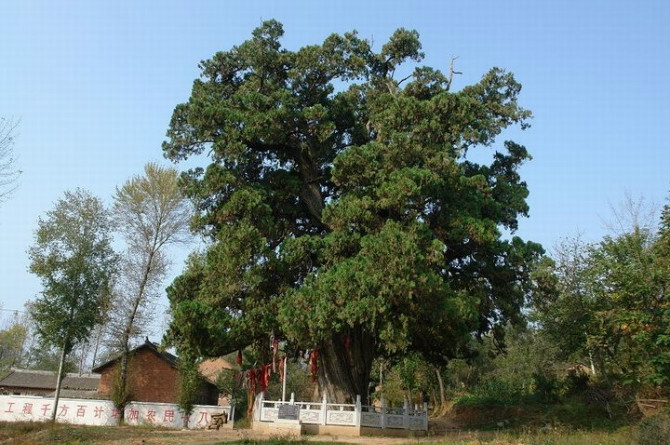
{"points": [[12, 341], [654, 430], [190, 384], [73, 258], [299, 382], [120, 391], [230, 385], [409, 378], [41, 357], [611, 308], [337, 191]]}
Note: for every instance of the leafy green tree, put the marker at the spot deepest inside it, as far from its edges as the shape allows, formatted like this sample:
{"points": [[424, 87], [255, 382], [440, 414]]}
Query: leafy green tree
{"points": [[73, 258], [611, 305], [344, 213], [151, 213], [659, 336], [565, 303], [12, 342], [41, 358]]}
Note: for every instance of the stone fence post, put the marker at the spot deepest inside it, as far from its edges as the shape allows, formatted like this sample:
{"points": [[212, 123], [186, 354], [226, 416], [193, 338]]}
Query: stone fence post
{"points": [[358, 409], [324, 409]]}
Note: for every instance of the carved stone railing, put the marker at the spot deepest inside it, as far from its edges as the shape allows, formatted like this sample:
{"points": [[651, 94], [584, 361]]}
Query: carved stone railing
{"points": [[340, 414]]}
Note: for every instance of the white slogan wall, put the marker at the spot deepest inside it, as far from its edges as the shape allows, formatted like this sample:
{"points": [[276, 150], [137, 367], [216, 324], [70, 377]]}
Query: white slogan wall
{"points": [[102, 412]]}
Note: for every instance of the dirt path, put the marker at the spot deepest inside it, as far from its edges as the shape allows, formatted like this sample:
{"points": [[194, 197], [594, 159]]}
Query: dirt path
{"points": [[209, 437], [212, 437]]}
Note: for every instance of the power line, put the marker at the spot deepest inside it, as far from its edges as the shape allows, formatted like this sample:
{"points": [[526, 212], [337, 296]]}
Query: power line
{"points": [[12, 310]]}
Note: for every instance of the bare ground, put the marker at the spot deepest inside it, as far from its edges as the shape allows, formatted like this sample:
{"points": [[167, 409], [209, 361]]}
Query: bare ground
{"points": [[440, 427]]}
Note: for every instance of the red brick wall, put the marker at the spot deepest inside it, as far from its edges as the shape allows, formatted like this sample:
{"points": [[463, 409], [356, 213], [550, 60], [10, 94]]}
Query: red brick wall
{"points": [[106, 379], [150, 378]]}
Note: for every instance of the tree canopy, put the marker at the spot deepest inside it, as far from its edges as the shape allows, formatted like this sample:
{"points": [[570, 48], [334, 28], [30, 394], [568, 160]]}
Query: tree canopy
{"points": [[344, 211]]}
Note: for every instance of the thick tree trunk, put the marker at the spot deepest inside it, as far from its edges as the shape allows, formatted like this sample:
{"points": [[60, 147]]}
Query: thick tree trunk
{"points": [[344, 366]]}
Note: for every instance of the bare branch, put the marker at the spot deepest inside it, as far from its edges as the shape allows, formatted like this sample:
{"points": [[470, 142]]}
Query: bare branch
{"points": [[9, 175], [452, 72]]}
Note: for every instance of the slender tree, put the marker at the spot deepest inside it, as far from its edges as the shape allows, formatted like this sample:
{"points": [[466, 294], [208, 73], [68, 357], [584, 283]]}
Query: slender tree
{"points": [[344, 212], [73, 257], [151, 214]]}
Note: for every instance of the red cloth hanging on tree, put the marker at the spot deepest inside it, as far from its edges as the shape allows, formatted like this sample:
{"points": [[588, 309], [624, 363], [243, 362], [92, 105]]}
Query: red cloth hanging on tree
{"points": [[263, 376], [251, 375], [260, 379], [313, 365]]}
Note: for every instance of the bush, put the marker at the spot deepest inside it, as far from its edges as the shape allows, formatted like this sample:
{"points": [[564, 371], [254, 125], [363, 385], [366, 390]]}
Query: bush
{"points": [[577, 381], [493, 393], [655, 430], [546, 386]]}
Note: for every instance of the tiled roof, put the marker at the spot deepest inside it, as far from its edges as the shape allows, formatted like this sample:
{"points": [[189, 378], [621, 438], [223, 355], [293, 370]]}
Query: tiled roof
{"points": [[171, 359], [80, 394], [32, 379]]}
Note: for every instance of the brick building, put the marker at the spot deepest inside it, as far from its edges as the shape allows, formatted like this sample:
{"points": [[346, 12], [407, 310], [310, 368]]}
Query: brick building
{"points": [[152, 377]]}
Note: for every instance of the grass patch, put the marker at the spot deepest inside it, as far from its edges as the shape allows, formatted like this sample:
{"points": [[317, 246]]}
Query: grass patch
{"points": [[33, 433], [623, 436], [489, 413], [30, 433], [13, 429]]}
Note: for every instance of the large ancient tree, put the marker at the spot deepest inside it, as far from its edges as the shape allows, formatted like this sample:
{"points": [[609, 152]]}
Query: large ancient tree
{"points": [[343, 210]]}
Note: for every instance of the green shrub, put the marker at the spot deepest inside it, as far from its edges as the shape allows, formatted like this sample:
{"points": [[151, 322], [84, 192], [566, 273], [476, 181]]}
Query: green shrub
{"points": [[655, 430], [546, 386]]}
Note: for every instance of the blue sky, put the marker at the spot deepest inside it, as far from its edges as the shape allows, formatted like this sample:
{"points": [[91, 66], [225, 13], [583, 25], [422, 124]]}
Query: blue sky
{"points": [[94, 85]]}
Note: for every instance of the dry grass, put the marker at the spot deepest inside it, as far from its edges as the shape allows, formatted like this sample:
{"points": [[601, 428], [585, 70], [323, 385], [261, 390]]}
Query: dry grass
{"points": [[43, 433]]}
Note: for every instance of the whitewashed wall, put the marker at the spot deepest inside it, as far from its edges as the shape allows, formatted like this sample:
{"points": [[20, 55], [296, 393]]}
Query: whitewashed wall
{"points": [[76, 411], [169, 415], [102, 412]]}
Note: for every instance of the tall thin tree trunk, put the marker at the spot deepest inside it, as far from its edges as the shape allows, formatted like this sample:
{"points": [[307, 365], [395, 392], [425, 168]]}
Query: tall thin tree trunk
{"points": [[588, 347], [59, 380], [98, 338], [82, 356], [125, 341], [440, 382]]}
